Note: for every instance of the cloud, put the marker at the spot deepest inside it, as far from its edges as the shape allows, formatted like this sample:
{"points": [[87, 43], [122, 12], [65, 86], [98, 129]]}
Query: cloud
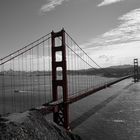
{"points": [[108, 2], [105, 58], [120, 44], [115, 54], [127, 31], [51, 5]]}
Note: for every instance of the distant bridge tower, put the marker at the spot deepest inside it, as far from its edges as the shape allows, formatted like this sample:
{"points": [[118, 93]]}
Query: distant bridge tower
{"points": [[61, 111], [136, 71]]}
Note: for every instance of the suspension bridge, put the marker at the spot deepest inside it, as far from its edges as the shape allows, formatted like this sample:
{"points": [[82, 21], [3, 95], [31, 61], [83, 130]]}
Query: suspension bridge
{"points": [[52, 73]]}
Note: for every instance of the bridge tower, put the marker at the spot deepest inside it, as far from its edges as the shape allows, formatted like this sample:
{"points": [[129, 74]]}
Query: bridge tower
{"points": [[61, 111], [136, 71]]}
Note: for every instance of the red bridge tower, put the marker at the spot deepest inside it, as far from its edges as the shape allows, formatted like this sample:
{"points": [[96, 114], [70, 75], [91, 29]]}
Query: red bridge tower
{"points": [[136, 71], [61, 111]]}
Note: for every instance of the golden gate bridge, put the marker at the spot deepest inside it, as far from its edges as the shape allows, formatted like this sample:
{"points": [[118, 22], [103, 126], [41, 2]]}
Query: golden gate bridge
{"points": [[50, 74]]}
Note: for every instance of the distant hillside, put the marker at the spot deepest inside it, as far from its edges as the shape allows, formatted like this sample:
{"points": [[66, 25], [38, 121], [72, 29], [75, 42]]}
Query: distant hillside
{"points": [[119, 71], [121, 66], [113, 71]]}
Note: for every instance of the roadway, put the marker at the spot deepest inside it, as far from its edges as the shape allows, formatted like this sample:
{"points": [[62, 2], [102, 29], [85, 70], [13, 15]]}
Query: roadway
{"points": [[110, 114]]}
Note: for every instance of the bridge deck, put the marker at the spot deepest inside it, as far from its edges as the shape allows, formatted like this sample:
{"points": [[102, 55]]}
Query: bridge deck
{"points": [[111, 119], [76, 97]]}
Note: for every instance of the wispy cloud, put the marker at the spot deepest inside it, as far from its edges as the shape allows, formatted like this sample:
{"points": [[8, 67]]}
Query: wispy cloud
{"points": [[127, 31], [108, 2], [116, 54], [51, 5], [120, 44]]}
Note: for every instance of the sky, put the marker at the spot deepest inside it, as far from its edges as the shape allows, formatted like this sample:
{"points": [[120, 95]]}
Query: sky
{"points": [[108, 30]]}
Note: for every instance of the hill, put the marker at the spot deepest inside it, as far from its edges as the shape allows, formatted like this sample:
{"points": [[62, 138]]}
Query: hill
{"points": [[32, 125]]}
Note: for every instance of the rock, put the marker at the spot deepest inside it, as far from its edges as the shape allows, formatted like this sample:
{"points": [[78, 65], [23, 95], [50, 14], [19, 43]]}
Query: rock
{"points": [[32, 125]]}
